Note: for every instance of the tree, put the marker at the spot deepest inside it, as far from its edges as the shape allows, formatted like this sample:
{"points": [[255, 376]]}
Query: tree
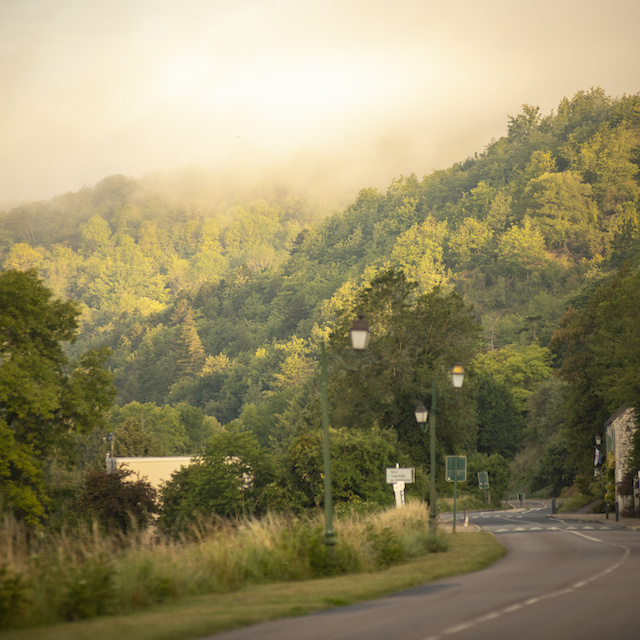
{"points": [[520, 369], [521, 250], [468, 243], [418, 253], [131, 439], [359, 460], [229, 479], [501, 424], [163, 426], [599, 348], [558, 465], [415, 339], [499, 474], [606, 161], [524, 124], [191, 354], [198, 426], [22, 257], [96, 235], [562, 207], [118, 502], [22, 483], [45, 400]]}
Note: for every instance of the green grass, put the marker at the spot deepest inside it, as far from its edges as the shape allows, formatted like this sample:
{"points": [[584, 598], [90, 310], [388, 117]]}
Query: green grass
{"points": [[198, 616], [575, 502]]}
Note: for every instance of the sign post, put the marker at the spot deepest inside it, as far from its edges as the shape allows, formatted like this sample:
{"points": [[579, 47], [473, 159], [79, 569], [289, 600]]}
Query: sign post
{"points": [[456, 472], [398, 477]]}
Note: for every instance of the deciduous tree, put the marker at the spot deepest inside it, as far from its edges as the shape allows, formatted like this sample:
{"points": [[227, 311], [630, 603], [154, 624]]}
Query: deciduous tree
{"points": [[44, 398]]}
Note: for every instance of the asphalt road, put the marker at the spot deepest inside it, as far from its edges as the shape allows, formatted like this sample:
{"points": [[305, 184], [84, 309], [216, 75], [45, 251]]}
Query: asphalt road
{"points": [[560, 579]]}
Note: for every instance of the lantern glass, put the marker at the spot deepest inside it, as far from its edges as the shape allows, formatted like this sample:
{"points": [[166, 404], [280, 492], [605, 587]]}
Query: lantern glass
{"points": [[457, 376], [360, 334], [421, 414]]}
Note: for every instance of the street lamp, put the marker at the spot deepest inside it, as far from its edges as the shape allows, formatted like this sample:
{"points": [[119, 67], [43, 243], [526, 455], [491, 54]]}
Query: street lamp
{"points": [[421, 413], [359, 340]]}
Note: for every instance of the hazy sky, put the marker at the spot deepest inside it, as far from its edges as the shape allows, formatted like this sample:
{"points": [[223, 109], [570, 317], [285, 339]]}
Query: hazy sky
{"points": [[373, 89]]}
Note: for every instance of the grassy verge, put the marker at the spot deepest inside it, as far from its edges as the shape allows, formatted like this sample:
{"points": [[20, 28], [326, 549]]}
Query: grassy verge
{"points": [[575, 502], [199, 616]]}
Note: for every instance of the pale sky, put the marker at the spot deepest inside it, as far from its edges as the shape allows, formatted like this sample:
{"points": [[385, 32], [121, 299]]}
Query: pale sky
{"points": [[370, 89]]}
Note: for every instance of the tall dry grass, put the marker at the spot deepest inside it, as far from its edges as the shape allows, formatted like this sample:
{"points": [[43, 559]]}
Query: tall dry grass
{"points": [[80, 574]]}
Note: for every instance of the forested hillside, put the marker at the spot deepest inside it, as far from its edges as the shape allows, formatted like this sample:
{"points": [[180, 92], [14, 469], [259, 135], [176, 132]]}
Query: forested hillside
{"points": [[213, 302]]}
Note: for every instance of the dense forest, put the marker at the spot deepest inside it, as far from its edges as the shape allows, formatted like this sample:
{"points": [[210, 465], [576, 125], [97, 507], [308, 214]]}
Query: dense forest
{"points": [[521, 262]]}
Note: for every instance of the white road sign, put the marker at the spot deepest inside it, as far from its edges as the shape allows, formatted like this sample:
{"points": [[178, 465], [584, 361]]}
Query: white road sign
{"points": [[394, 474]]}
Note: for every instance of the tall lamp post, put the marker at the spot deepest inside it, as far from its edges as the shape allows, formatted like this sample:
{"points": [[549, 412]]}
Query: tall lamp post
{"points": [[421, 413], [359, 341]]}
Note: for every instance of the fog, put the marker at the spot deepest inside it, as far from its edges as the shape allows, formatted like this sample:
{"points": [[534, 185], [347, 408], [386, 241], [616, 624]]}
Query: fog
{"points": [[351, 93]]}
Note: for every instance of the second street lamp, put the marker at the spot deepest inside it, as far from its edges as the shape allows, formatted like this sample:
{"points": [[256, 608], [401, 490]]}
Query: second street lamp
{"points": [[421, 413], [359, 340]]}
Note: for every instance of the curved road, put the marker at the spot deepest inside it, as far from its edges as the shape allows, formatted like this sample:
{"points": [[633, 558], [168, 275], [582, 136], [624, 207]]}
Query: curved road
{"points": [[560, 579]]}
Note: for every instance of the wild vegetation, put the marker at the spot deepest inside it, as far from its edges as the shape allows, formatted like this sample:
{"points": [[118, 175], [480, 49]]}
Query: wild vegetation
{"points": [[189, 321], [63, 578]]}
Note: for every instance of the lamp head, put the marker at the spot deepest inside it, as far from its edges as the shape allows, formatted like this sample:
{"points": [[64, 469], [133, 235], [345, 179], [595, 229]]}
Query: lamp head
{"points": [[421, 414], [360, 334], [457, 376]]}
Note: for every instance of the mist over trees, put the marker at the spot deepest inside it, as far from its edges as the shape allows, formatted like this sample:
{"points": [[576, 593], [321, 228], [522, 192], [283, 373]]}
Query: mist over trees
{"points": [[520, 262]]}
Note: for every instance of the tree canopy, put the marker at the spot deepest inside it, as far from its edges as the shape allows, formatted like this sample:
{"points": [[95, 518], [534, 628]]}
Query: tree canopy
{"points": [[45, 399], [216, 299]]}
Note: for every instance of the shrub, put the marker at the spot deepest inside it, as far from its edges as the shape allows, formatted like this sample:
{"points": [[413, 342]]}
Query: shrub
{"points": [[89, 590], [115, 501], [228, 480], [13, 597]]}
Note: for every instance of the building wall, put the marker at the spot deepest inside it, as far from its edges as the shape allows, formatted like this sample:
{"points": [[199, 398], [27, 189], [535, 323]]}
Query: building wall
{"points": [[619, 433], [154, 470]]}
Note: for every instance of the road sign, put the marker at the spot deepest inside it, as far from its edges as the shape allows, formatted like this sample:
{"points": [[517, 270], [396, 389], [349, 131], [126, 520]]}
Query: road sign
{"points": [[395, 474], [456, 469], [483, 479]]}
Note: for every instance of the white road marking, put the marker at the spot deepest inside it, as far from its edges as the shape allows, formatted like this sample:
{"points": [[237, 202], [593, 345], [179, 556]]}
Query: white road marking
{"points": [[460, 627], [489, 616], [553, 594]]}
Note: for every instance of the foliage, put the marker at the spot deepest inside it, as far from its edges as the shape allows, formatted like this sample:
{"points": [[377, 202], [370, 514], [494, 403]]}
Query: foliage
{"points": [[599, 347], [501, 425], [214, 296], [14, 600], [519, 369], [45, 400], [499, 473], [228, 479], [415, 339], [58, 577], [558, 468], [359, 459], [574, 503], [89, 590], [147, 429], [117, 501]]}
